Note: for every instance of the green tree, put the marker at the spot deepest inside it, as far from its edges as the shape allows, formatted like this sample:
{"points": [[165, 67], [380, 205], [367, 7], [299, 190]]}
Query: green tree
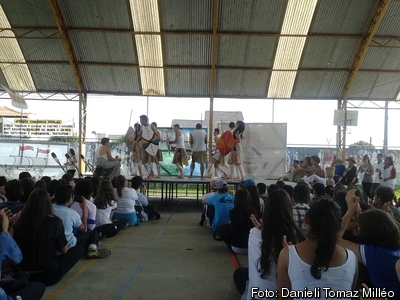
{"points": [[64, 139], [361, 145]]}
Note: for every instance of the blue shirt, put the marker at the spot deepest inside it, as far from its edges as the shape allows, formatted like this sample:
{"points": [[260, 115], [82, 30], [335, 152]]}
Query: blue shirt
{"points": [[70, 219], [381, 265], [223, 203]]}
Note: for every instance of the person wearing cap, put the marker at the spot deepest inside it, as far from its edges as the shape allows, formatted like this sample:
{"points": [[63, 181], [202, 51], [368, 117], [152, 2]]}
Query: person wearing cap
{"points": [[148, 160], [198, 142], [3, 182], [180, 156], [204, 219], [350, 175], [105, 160], [340, 168], [219, 205]]}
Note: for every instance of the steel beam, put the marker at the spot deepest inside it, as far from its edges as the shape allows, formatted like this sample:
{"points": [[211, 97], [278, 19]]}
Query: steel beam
{"points": [[372, 26]]}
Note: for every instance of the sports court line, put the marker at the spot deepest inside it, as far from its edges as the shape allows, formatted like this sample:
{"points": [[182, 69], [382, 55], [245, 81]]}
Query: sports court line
{"points": [[84, 267], [127, 283]]}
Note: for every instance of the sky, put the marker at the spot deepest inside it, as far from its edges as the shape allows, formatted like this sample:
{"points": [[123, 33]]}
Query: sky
{"points": [[309, 122]]}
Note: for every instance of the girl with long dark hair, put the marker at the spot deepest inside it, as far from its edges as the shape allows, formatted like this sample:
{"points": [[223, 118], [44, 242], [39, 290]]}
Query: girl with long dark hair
{"points": [[318, 262], [241, 222], [40, 235], [265, 243], [126, 201], [236, 155], [106, 202]]}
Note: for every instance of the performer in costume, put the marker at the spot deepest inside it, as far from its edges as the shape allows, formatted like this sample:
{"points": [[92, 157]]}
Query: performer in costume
{"points": [[216, 159], [198, 142], [235, 160], [180, 156], [159, 156], [148, 160], [71, 162], [137, 151], [105, 160]]}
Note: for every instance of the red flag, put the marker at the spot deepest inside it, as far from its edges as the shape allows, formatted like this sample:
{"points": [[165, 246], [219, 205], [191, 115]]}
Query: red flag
{"points": [[45, 151], [23, 148]]}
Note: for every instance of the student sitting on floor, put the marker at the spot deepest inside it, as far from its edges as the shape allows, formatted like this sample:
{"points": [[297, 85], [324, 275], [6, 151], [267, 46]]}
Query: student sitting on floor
{"points": [[127, 198], [145, 209], [40, 235], [106, 202], [219, 205]]}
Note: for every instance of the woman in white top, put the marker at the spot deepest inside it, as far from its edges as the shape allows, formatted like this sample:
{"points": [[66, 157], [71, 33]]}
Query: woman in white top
{"points": [[318, 265], [180, 156], [126, 201], [71, 162], [265, 243], [106, 203]]}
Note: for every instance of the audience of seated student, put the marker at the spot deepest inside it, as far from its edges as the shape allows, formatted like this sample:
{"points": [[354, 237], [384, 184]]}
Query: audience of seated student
{"points": [[14, 190], [106, 202], [52, 187], [145, 209], [73, 222], [126, 201], [23, 175], [40, 184], [69, 179], [385, 195], [28, 186], [9, 251], [329, 191], [272, 188], [3, 182], [318, 262], [213, 191], [288, 189], [219, 205], [265, 243], [84, 188], [316, 173], [378, 246], [46, 179], [262, 190], [40, 235], [301, 198], [239, 216], [318, 191], [256, 202]]}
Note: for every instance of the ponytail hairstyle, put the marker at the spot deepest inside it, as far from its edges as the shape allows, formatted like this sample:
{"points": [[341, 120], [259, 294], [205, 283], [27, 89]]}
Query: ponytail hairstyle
{"points": [[119, 184], [277, 222], [325, 221], [239, 129]]}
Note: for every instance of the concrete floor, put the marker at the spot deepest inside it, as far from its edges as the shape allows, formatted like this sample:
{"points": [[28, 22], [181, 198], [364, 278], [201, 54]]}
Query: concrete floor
{"points": [[170, 258]]}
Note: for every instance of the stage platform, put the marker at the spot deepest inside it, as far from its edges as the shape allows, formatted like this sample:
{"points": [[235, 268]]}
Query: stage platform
{"points": [[169, 187]]}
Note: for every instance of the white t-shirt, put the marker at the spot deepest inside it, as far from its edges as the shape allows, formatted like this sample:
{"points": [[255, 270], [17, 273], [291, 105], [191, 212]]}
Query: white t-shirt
{"points": [[91, 210], [126, 203], [270, 282], [103, 214], [198, 137]]}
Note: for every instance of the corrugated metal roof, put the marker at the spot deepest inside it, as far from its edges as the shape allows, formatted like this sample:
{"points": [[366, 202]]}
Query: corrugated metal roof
{"points": [[102, 39], [8, 112], [111, 47]]}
